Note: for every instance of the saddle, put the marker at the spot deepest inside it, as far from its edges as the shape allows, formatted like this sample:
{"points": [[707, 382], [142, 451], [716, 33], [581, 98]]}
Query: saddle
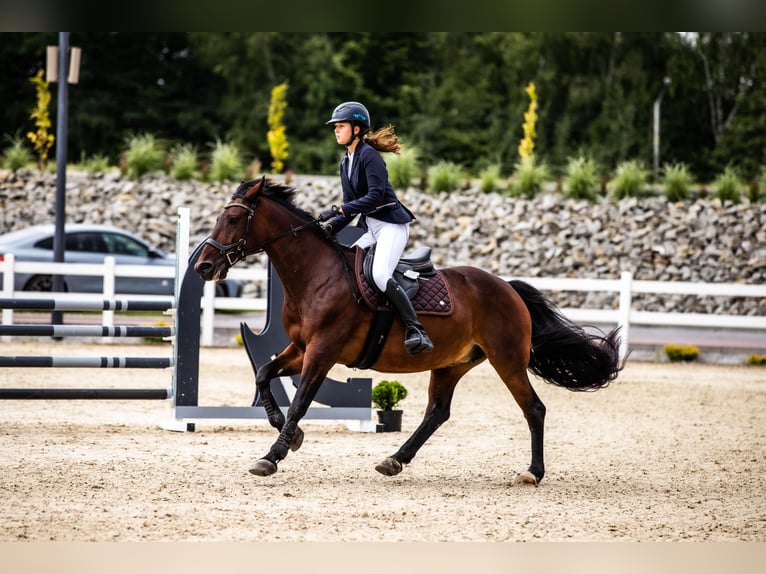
{"points": [[417, 276]]}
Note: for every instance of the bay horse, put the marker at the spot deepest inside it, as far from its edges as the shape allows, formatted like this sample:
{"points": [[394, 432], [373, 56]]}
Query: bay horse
{"points": [[509, 323]]}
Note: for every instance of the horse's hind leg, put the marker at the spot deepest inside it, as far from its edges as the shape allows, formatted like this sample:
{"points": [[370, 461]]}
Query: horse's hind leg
{"points": [[515, 377], [440, 392], [289, 362]]}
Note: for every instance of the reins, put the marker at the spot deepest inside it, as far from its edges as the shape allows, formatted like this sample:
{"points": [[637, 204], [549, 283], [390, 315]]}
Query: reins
{"points": [[235, 252]]}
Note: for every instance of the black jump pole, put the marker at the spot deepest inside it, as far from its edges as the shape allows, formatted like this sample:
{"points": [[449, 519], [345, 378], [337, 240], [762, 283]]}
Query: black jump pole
{"points": [[57, 317]]}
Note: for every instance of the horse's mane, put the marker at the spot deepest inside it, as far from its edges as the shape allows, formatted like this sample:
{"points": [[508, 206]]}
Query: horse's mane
{"points": [[285, 195]]}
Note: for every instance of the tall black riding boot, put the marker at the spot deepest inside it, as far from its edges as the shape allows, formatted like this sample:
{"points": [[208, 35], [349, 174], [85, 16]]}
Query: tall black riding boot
{"points": [[416, 339]]}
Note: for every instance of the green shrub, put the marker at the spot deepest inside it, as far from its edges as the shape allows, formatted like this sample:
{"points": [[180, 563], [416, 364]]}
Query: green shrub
{"points": [[445, 176], [403, 168], [183, 162], [756, 360], [490, 178], [681, 352], [97, 163], [225, 162], [581, 180], [528, 178], [144, 155], [677, 181], [386, 395], [728, 186], [629, 180], [17, 154]]}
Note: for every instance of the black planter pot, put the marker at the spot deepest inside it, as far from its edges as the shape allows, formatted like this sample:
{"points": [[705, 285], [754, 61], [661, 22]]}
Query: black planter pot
{"points": [[389, 421]]}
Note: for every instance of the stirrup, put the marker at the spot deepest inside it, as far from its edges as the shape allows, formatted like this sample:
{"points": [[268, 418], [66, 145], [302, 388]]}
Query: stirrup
{"points": [[417, 341]]}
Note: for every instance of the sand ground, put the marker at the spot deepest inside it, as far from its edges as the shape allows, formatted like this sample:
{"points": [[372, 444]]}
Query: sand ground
{"points": [[668, 452]]}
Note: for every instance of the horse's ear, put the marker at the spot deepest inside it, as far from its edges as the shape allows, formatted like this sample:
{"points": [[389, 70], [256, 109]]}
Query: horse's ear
{"points": [[250, 188], [258, 186]]}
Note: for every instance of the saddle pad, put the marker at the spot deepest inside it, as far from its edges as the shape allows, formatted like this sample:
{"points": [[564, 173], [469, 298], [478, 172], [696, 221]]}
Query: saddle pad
{"points": [[433, 296]]}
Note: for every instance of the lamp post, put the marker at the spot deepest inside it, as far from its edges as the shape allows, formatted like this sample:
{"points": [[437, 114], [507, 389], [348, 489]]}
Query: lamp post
{"points": [[61, 70], [656, 127]]}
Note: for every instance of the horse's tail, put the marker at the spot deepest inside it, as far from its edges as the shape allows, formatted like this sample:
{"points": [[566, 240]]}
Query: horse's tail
{"points": [[563, 353]]}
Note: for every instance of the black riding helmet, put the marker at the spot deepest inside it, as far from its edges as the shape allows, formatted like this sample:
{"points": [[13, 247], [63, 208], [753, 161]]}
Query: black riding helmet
{"points": [[353, 112]]}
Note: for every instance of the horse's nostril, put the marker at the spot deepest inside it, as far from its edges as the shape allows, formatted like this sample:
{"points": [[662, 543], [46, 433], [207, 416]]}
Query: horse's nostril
{"points": [[203, 267]]}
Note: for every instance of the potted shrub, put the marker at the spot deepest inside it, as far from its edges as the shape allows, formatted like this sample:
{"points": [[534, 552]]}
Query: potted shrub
{"points": [[386, 395]]}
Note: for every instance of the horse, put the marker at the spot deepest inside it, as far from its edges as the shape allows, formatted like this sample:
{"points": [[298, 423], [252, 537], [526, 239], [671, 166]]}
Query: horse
{"points": [[509, 323]]}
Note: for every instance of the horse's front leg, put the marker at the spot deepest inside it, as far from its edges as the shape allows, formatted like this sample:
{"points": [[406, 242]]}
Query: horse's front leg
{"points": [[312, 376], [288, 363]]}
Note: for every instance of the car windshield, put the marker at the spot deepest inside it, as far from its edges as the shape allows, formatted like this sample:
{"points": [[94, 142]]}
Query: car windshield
{"points": [[123, 245]]}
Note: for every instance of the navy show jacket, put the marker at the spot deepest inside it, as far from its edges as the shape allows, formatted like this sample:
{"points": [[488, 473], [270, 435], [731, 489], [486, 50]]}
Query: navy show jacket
{"points": [[367, 189]]}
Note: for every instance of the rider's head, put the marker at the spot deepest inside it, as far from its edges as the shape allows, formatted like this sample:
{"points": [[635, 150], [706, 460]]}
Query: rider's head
{"points": [[355, 114]]}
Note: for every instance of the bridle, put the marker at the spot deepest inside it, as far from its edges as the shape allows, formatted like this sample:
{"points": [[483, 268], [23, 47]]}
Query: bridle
{"points": [[238, 251]]}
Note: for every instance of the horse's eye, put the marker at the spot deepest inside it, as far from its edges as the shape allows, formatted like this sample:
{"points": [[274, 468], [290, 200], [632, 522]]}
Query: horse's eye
{"points": [[233, 221]]}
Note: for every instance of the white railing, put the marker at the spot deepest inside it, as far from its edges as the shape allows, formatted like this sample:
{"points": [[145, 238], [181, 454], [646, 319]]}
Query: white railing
{"points": [[109, 270], [623, 316]]}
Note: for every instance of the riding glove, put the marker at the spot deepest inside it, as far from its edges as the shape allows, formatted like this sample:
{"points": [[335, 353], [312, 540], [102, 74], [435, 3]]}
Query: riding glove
{"points": [[329, 213]]}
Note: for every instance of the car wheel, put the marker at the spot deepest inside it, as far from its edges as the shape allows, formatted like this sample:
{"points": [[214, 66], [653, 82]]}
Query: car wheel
{"points": [[40, 283]]}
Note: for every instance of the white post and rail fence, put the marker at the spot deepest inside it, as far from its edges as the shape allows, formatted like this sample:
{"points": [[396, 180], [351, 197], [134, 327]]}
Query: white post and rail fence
{"points": [[624, 315]]}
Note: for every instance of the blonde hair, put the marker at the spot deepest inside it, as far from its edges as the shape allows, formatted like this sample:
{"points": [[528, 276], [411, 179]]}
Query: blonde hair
{"points": [[384, 139]]}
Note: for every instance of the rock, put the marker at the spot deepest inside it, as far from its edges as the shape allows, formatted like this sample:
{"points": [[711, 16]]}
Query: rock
{"points": [[548, 236]]}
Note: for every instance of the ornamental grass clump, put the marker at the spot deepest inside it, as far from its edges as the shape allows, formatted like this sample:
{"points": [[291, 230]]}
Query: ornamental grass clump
{"points": [[581, 180], [403, 167], [17, 154], [489, 178], [629, 180], [445, 176], [183, 162], [677, 181], [728, 186], [144, 155], [225, 162], [528, 178]]}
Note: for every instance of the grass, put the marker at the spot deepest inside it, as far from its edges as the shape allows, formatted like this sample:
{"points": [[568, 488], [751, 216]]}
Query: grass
{"points": [[677, 181], [581, 180], [629, 180], [528, 178], [144, 155]]}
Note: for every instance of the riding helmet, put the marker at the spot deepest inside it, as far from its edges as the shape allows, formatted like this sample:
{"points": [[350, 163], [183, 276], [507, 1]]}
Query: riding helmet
{"points": [[353, 112]]}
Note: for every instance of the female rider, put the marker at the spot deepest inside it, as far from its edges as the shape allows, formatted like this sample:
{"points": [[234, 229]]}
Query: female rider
{"points": [[368, 193]]}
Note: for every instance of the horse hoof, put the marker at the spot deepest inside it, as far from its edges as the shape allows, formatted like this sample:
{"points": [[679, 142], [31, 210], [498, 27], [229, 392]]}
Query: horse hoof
{"points": [[389, 467], [263, 467], [526, 477], [297, 441]]}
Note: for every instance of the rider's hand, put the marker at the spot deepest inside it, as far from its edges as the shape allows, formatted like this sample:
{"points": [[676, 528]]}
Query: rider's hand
{"points": [[329, 213]]}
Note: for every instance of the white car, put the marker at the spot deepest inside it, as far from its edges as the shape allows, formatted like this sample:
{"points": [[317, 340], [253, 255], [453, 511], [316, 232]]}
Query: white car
{"points": [[86, 243]]}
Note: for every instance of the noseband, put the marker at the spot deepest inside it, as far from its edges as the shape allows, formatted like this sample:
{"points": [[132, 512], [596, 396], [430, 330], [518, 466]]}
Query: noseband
{"points": [[237, 251]]}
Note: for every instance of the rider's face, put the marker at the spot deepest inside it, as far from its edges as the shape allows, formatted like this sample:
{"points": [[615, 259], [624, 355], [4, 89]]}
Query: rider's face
{"points": [[343, 132]]}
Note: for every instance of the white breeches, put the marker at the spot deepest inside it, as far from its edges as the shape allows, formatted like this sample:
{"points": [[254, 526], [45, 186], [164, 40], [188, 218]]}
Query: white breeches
{"points": [[390, 240]]}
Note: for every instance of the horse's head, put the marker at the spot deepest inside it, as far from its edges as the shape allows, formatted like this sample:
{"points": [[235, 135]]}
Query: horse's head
{"points": [[228, 241]]}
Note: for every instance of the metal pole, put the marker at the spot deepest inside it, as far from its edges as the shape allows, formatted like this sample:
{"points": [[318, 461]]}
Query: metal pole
{"points": [[57, 317], [656, 128]]}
